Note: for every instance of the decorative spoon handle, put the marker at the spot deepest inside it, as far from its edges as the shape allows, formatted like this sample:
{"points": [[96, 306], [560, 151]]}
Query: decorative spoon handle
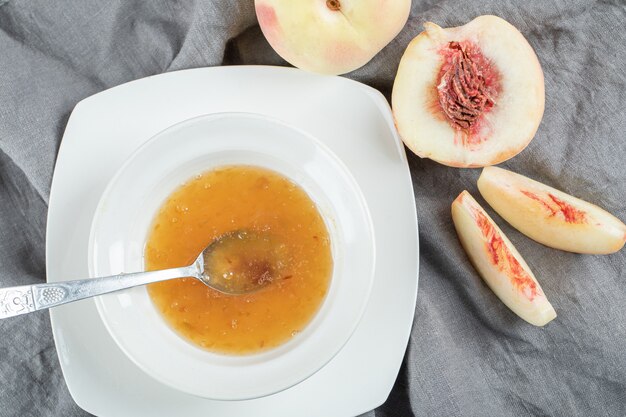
{"points": [[28, 298]]}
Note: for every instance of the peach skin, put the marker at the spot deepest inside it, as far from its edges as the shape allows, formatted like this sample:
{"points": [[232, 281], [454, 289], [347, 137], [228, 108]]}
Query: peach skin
{"points": [[330, 36]]}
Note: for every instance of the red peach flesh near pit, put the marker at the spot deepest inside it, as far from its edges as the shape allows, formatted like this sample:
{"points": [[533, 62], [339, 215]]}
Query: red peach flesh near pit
{"points": [[570, 213], [467, 88], [503, 259]]}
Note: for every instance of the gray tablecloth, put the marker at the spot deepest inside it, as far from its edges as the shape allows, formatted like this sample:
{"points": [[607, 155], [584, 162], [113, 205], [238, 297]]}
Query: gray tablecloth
{"points": [[468, 355]]}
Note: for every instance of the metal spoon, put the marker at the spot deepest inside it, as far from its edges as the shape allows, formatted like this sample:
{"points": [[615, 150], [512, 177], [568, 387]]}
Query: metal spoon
{"points": [[235, 263]]}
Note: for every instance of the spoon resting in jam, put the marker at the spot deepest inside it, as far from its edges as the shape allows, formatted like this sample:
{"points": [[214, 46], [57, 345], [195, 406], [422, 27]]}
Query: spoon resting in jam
{"points": [[237, 262]]}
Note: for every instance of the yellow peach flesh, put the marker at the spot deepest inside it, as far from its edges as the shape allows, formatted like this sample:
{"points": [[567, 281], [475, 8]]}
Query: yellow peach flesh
{"points": [[550, 216], [498, 262]]}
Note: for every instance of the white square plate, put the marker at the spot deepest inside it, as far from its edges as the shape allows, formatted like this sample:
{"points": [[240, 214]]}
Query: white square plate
{"points": [[353, 120]]}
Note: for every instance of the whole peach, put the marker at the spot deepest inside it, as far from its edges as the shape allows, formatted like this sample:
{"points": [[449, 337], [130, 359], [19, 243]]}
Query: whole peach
{"points": [[330, 36]]}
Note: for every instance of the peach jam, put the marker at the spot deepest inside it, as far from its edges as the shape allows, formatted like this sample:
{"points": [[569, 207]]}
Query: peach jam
{"points": [[222, 201]]}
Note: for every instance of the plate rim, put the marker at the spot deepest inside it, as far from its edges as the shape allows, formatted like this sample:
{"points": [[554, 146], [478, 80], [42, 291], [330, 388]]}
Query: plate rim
{"points": [[379, 101]]}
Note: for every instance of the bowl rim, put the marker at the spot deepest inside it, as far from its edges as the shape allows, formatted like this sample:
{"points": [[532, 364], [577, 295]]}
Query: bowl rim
{"points": [[216, 116]]}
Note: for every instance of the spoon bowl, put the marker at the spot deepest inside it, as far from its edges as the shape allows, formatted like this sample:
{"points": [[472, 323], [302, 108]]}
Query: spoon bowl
{"points": [[241, 262]]}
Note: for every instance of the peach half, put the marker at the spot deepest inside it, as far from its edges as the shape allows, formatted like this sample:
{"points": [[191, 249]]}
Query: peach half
{"points": [[550, 216], [499, 263], [330, 36], [468, 96]]}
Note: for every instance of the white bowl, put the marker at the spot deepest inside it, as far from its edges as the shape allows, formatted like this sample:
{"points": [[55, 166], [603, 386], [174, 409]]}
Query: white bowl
{"points": [[132, 198]]}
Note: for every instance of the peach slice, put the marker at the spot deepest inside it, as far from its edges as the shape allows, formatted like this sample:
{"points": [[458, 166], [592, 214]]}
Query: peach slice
{"points": [[499, 263], [550, 216], [468, 96], [330, 36]]}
